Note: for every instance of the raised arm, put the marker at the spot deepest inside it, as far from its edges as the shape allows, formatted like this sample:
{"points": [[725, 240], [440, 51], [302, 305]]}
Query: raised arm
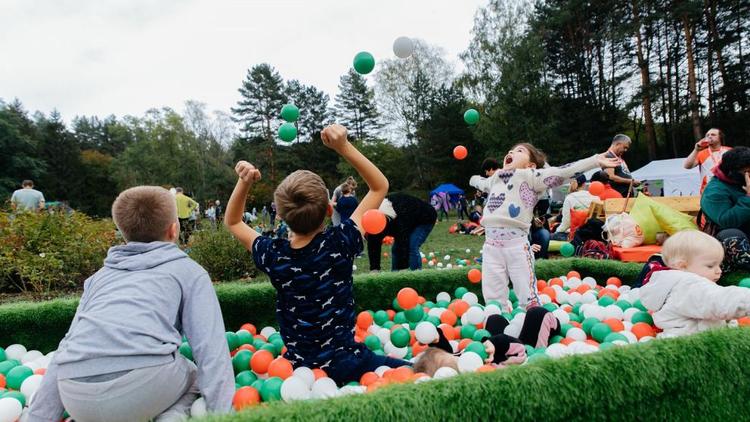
{"points": [[334, 137], [248, 174], [552, 177]]}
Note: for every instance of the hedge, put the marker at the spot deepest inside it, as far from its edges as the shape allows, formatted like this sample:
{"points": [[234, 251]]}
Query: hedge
{"points": [[41, 325], [698, 377]]}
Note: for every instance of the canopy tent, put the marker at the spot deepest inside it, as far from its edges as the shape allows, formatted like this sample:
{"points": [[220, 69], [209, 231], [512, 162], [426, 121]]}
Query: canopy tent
{"points": [[449, 188], [678, 181]]}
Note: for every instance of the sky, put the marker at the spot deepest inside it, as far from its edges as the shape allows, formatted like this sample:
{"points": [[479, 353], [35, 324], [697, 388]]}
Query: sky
{"points": [[84, 57]]}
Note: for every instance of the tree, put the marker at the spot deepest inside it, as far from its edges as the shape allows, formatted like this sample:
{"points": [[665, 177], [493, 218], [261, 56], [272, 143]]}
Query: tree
{"points": [[19, 159], [645, 83], [355, 106], [262, 98], [313, 108]]}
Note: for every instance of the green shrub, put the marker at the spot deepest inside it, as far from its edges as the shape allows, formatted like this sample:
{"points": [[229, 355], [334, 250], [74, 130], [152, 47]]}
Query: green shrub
{"points": [[221, 254], [51, 251]]}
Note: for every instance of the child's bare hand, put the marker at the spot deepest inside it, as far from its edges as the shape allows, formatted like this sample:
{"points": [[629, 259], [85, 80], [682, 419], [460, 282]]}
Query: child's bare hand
{"points": [[334, 136], [536, 248], [747, 182], [489, 348], [247, 172], [607, 162]]}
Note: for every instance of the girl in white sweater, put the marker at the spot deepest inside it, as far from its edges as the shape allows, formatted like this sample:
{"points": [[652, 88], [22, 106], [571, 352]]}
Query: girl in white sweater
{"points": [[512, 193], [685, 298]]}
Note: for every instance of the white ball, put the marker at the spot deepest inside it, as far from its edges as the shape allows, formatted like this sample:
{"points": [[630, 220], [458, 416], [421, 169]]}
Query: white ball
{"points": [[447, 258], [431, 255], [32, 365], [425, 332], [561, 315], [384, 335], [380, 370], [422, 378], [430, 263], [624, 289], [30, 385], [31, 356], [267, 331], [443, 297], [574, 298], [373, 329], [440, 265], [454, 345], [352, 389], [354, 267], [572, 283], [492, 310], [513, 330], [611, 287], [614, 311], [628, 314], [436, 312], [620, 343], [469, 362], [15, 351], [294, 388], [403, 47], [449, 266], [556, 350], [324, 388], [519, 318], [445, 372], [544, 299], [305, 374], [475, 315], [576, 334], [10, 409], [630, 336], [562, 297], [588, 297], [598, 312], [581, 348], [645, 339], [589, 281], [397, 352], [634, 294], [470, 298], [421, 254], [628, 325], [43, 362]]}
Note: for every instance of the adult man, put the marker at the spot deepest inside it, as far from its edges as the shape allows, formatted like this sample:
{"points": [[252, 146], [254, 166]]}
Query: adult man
{"points": [[185, 207], [27, 198], [619, 177], [707, 155]]}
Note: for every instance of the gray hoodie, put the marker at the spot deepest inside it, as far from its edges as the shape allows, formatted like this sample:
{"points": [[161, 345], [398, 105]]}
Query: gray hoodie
{"points": [[132, 315]]}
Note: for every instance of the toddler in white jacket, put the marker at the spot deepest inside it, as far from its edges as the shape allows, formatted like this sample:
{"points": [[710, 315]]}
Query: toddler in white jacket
{"points": [[686, 298]]}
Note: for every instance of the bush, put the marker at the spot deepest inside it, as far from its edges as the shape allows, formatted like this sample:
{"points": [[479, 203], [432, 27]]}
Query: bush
{"points": [[51, 251], [221, 254]]}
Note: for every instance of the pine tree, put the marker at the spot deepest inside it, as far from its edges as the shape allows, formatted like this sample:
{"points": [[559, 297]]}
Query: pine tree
{"points": [[313, 108], [262, 99], [355, 106]]}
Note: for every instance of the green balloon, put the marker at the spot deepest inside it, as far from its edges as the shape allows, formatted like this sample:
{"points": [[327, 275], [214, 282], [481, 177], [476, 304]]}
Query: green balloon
{"points": [[537, 357], [606, 300], [415, 314], [460, 292], [549, 306], [6, 366], [245, 378], [364, 62], [623, 304], [529, 349], [467, 331], [271, 348], [3, 356], [388, 324], [287, 132], [258, 343], [443, 304], [639, 305], [588, 324], [372, 342], [574, 317], [480, 334], [271, 389], [380, 317], [233, 341], [600, 331], [290, 113], [477, 348], [577, 308], [606, 346], [16, 395], [186, 350], [642, 316], [400, 337], [241, 361], [556, 339], [564, 329], [244, 337], [274, 336], [471, 116], [614, 336], [396, 306], [258, 384], [379, 352], [745, 282], [567, 249], [432, 319], [399, 318], [16, 376], [429, 305]]}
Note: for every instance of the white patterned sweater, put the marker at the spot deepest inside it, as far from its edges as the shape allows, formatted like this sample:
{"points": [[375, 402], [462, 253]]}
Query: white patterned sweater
{"points": [[512, 194]]}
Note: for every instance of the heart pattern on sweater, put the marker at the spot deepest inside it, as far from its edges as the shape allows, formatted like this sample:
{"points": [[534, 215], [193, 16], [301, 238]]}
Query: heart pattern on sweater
{"points": [[505, 175], [528, 196], [495, 201], [514, 210], [553, 181]]}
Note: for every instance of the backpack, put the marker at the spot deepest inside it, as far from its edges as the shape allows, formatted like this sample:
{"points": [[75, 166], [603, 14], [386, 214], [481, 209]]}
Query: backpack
{"points": [[594, 249]]}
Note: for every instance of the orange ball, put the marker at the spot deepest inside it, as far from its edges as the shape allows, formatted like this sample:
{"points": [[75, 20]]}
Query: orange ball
{"points": [[592, 342], [641, 329], [556, 282], [2, 381], [614, 280], [460, 152], [447, 331], [373, 221], [424, 260], [368, 378], [407, 298], [609, 292], [615, 324], [549, 291], [250, 328], [583, 288], [364, 320], [245, 397], [260, 361], [448, 317], [249, 347], [319, 373], [540, 285], [475, 276], [281, 368], [391, 313], [575, 274], [463, 343], [566, 341], [596, 188], [460, 306], [418, 348], [744, 321], [40, 371], [486, 368]]}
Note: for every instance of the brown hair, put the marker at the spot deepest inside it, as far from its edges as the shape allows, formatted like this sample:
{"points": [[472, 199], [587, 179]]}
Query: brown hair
{"points": [[28, 183], [353, 183], [536, 156], [302, 201], [144, 213], [346, 189], [431, 360]]}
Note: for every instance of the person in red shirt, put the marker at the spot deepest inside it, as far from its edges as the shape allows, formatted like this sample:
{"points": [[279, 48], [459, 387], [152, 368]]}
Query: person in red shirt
{"points": [[707, 155], [609, 192]]}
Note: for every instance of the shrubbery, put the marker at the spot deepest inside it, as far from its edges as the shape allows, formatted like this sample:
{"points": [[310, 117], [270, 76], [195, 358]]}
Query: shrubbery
{"points": [[220, 254], [51, 251]]}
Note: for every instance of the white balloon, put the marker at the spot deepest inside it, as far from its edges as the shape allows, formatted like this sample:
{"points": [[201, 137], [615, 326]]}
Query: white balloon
{"points": [[430, 263], [573, 283], [544, 299], [43, 362], [630, 336], [624, 289], [556, 350], [267, 331], [611, 287], [454, 345], [474, 315], [445, 372], [448, 266], [32, 365], [352, 389], [589, 281], [628, 314], [354, 267], [588, 297], [10, 409], [562, 296], [614, 311], [305, 374], [634, 294], [31, 356], [443, 297], [294, 388], [562, 316], [628, 325], [198, 408], [440, 265], [469, 362], [470, 298], [15, 351], [324, 388], [436, 312], [492, 310], [519, 318], [513, 330], [645, 339], [468, 250], [380, 370], [574, 298], [576, 334], [395, 352], [403, 47], [447, 258], [426, 333], [384, 335]]}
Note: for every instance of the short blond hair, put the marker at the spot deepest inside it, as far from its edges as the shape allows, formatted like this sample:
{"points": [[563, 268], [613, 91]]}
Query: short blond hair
{"points": [[432, 359], [302, 201], [144, 213], [684, 245]]}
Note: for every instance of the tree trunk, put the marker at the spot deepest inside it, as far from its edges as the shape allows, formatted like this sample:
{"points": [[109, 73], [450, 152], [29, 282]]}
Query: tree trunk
{"points": [[694, 112], [645, 85], [714, 43], [666, 104]]}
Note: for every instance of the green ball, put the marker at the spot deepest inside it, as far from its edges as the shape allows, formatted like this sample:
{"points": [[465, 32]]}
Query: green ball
{"points": [[564, 329], [396, 306], [477, 348], [574, 317], [614, 336], [642, 316], [271, 348], [460, 292], [6, 366], [745, 282], [471, 116], [537, 357], [432, 319], [413, 325], [513, 297], [567, 249], [443, 304], [186, 350], [16, 376], [245, 378], [274, 337], [577, 309], [244, 337], [278, 344], [623, 304], [364, 62], [241, 361], [588, 324], [372, 342], [480, 334], [415, 314], [16, 395], [399, 318], [388, 324], [400, 337], [507, 315], [600, 331], [3, 356], [258, 384], [380, 317], [233, 340], [556, 339], [379, 352], [290, 113], [639, 305], [549, 306], [258, 343], [467, 331], [606, 300], [271, 389], [429, 305], [606, 346], [287, 132], [529, 349]]}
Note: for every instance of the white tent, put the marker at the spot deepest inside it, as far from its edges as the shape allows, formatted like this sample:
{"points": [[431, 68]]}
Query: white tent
{"points": [[678, 181]]}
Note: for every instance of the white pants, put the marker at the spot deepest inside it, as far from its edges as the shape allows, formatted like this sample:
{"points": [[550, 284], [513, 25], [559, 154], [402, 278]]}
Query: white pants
{"points": [[503, 259]]}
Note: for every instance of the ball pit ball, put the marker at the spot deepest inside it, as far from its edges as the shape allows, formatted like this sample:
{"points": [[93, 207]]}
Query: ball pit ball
{"points": [[287, 132], [363, 62], [15, 352], [471, 116], [324, 388], [460, 152], [567, 249], [17, 375], [642, 316], [10, 409], [475, 315], [281, 368], [245, 397], [290, 113], [31, 356], [271, 389], [260, 361], [293, 389], [198, 408], [474, 275], [745, 282], [445, 372], [373, 221], [426, 333], [469, 362], [407, 298]]}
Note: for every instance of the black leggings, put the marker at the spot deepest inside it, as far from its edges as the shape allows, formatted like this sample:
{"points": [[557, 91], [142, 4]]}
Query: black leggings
{"points": [[531, 325], [736, 249]]}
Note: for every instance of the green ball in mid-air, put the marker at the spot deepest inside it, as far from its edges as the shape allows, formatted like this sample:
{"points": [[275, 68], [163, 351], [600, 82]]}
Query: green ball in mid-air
{"points": [[287, 132], [567, 249], [471, 116], [290, 113], [364, 62]]}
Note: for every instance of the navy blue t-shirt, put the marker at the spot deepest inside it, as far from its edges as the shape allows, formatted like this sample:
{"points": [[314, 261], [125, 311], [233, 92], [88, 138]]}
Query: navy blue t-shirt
{"points": [[346, 206], [315, 302]]}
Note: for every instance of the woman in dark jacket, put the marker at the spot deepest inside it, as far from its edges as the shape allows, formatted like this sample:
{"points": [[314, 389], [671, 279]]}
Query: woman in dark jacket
{"points": [[409, 220], [726, 205]]}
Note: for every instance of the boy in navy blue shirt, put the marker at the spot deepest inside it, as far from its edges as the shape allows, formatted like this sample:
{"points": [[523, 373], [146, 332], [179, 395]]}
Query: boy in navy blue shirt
{"points": [[312, 271]]}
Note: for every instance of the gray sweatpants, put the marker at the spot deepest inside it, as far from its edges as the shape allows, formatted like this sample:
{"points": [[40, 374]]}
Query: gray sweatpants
{"points": [[163, 393]]}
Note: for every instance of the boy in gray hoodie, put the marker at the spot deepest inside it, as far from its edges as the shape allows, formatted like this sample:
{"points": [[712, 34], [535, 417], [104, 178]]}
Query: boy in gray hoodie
{"points": [[119, 360]]}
